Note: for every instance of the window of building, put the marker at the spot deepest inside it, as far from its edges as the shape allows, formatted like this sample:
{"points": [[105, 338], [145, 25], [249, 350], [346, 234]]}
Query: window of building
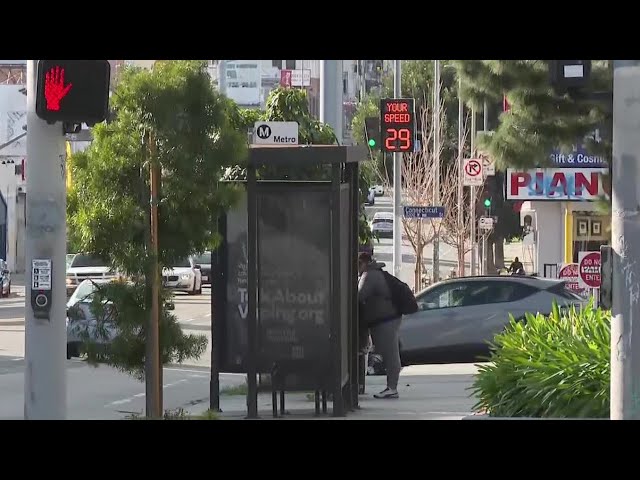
{"points": [[291, 64], [276, 63]]}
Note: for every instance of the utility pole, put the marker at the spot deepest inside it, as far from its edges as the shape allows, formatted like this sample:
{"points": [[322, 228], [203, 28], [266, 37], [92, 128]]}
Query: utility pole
{"points": [[45, 380], [436, 166], [461, 229], [473, 196], [625, 235], [397, 182], [331, 95], [153, 367], [222, 77], [485, 234]]}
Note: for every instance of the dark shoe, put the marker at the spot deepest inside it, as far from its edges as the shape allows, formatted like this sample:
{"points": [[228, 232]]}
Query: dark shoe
{"points": [[387, 393]]}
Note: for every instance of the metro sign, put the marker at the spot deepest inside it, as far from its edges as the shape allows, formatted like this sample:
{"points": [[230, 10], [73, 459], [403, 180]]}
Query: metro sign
{"points": [[560, 184]]}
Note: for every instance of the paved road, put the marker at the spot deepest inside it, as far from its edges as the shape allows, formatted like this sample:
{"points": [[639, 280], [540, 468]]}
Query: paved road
{"points": [[433, 391]]}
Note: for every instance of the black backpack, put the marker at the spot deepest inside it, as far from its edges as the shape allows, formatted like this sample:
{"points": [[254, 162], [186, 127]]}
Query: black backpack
{"points": [[402, 296]]}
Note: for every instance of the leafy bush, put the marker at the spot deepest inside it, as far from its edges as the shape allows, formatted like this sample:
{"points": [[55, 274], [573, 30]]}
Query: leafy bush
{"points": [[554, 367], [117, 338]]}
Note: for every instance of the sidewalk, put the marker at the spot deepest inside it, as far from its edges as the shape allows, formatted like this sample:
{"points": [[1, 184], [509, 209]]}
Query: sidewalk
{"points": [[427, 392]]}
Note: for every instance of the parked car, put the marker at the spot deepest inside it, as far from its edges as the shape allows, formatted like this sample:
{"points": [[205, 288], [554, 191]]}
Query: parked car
{"points": [[87, 267], [70, 259], [81, 322], [378, 190], [204, 261], [371, 197], [5, 279], [458, 317], [382, 224], [185, 276]]}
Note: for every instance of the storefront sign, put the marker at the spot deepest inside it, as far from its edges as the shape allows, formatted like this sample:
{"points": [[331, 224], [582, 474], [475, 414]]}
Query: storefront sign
{"points": [[561, 184]]}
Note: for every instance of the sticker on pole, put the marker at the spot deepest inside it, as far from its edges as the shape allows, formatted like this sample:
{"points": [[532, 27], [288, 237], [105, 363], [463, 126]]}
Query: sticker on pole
{"points": [[569, 273], [589, 269], [472, 175], [41, 274]]}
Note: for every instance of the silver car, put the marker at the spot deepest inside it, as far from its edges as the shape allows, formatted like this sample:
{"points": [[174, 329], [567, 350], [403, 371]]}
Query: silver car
{"points": [[458, 317], [81, 322], [382, 224]]}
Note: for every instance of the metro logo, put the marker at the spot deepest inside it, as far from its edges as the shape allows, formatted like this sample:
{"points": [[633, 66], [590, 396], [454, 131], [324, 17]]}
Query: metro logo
{"points": [[555, 184]]}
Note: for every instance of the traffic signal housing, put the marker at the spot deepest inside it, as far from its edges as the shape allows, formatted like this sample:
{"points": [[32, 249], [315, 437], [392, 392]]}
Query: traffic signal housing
{"points": [[372, 132], [73, 91]]}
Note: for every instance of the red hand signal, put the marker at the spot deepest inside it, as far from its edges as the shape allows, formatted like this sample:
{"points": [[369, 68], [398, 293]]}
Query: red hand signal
{"points": [[54, 89]]}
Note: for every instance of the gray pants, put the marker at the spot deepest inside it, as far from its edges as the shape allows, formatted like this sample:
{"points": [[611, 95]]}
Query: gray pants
{"points": [[386, 343]]}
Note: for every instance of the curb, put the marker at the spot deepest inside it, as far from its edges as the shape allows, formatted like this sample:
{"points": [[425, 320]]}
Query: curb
{"points": [[487, 417]]}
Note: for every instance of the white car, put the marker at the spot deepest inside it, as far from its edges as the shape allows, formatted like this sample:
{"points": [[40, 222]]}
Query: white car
{"points": [[81, 322], [378, 190], [185, 276], [382, 224], [87, 267]]}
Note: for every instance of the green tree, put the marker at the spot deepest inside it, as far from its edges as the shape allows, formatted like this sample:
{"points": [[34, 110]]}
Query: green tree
{"points": [[291, 105], [539, 119], [171, 115]]}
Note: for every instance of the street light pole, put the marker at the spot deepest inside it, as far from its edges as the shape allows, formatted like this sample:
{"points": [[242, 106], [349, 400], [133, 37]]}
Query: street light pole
{"points": [[461, 229], [397, 182], [45, 381], [625, 235], [436, 166]]}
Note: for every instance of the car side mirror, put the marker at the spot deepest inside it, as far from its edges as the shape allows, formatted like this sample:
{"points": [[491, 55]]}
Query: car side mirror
{"points": [[198, 267]]}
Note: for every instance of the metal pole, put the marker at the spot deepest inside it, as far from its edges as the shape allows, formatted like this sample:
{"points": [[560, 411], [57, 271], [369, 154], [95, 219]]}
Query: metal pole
{"points": [[154, 366], [397, 182], [331, 95], [461, 229], [625, 235], [45, 380], [473, 196], [222, 76], [436, 166]]}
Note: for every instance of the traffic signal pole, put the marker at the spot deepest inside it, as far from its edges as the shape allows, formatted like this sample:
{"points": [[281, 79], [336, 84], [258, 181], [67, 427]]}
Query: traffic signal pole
{"points": [[397, 182], [625, 235], [45, 383]]}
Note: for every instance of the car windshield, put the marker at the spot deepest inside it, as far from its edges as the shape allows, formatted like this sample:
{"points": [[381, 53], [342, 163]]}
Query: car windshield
{"points": [[382, 220], [183, 263], [204, 259], [81, 260], [83, 292]]}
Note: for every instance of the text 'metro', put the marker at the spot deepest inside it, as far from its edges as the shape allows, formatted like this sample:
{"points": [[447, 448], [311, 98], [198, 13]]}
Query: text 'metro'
{"points": [[397, 124], [73, 91]]}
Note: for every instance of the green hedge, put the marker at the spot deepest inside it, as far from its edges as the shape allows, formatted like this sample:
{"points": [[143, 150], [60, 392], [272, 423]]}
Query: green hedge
{"points": [[549, 367]]}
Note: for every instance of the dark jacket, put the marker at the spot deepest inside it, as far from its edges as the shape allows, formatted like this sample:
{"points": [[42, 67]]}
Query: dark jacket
{"points": [[374, 297]]}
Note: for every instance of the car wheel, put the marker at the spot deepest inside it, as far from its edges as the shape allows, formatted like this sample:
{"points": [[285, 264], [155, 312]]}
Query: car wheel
{"points": [[199, 291], [8, 290]]}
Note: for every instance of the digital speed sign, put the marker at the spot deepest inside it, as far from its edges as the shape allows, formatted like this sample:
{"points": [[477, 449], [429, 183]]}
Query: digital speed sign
{"points": [[397, 125]]}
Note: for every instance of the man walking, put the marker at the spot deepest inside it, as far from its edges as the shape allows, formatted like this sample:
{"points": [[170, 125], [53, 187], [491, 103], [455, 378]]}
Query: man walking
{"points": [[381, 317]]}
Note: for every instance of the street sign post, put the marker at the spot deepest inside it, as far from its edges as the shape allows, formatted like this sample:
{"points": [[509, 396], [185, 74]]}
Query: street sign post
{"points": [[472, 172], [488, 167], [275, 133], [422, 212], [485, 223], [589, 269]]}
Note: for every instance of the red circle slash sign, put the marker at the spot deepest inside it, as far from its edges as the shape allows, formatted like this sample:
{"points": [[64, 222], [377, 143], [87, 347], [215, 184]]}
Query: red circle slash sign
{"points": [[473, 168]]}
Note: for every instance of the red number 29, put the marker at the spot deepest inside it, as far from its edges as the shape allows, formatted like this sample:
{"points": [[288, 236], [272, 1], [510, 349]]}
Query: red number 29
{"points": [[404, 135]]}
